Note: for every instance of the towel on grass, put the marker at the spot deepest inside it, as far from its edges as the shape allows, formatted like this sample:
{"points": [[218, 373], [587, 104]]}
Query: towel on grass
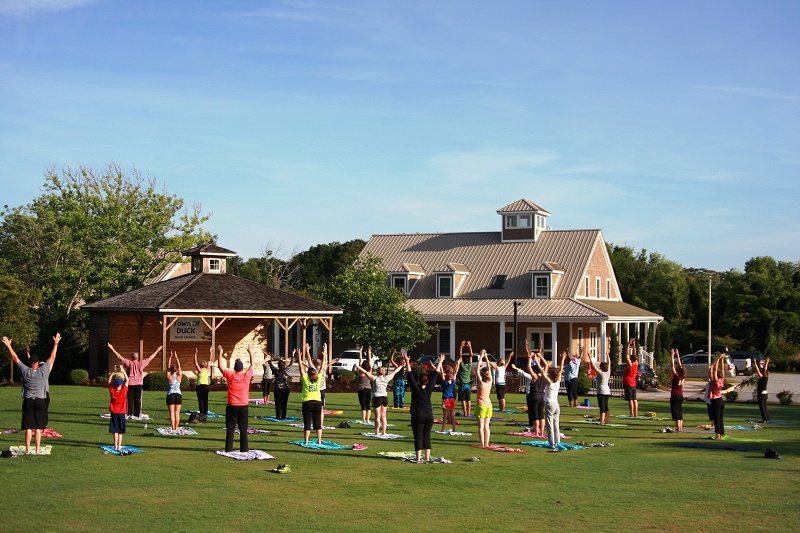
{"points": [[775, 422], [581, 406], [258, 431], [180, 432], [453, 433], [126, 449], [20, 450], [388, 436], [497, 448], [399, 408], [326, 445], [279, 420], [370, 423], [533, 435], [107, 416], [252, 455], [494, 418], [332, 413], [13, 430], [49, 432], [560, 446], [597, 423], [709, 446], [209, 415], [639, 417], [439, 421], [510, 411], [302, 426], [260, 401], [411, 457]]}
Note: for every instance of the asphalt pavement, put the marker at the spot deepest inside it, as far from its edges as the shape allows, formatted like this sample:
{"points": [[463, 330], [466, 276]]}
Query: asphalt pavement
{"points": [[693, 388]]}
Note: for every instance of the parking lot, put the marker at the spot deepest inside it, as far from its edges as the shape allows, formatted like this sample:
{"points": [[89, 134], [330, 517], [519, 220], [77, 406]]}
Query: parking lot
{"points": [[693, 388]]}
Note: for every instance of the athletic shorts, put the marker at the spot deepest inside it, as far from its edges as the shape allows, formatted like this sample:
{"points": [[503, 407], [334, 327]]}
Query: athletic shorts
{"points": [[174, 399], [538, 409], [449, 404], [630, 392], [380, 401], [464, 393], [484, 411], [500, 390], [117, 423], [676, 407], [34, 413]]}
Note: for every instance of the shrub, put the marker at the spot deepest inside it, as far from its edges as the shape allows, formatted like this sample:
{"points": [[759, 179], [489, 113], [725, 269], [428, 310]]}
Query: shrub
{"points": [[345, 376], [584, 383], [79, 376], [665, 375], [731, 396], [785, 397]]}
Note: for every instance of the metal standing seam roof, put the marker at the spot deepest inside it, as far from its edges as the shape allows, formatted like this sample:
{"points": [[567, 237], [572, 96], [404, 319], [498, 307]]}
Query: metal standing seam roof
{"points": [[485, 255], [221, 293], [521, 206], [530, 308]]}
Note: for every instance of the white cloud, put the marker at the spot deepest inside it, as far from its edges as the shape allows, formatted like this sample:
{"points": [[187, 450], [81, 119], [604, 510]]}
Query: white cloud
{"points": [[24, 8]]}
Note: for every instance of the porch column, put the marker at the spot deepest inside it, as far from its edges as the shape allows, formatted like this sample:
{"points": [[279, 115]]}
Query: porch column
{"points": [[554, 333], [502, 354], [603, 335]]}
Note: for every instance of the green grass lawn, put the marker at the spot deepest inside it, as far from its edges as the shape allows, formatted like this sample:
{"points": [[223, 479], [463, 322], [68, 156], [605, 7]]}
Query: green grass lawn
{"points": [[644, 483]]}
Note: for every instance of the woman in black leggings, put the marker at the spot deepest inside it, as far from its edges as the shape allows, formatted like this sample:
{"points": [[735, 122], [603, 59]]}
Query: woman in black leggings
{"points": [[365, 384], [421, 409], [761, 388], [281, 382]]}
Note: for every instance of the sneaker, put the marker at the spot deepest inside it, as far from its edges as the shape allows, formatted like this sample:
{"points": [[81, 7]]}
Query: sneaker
{"points": [[282, 469]]}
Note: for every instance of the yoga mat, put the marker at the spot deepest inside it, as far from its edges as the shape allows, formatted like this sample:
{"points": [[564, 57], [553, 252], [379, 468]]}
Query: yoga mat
{"points": [[260, 401], [326, 445], [510, 411], [533, 435], [580, 407], [496, 448], [258, 431], [453, 433], [20, 450], [562, 446], [252, 455], [399, 408], [180, 432], [209, 415], [48, 432], [107, 416], [774, 422], [639, 417], [494, 418], [715, 447], [439, 421], [13, 430], [362, 423], [127, 449], [302, 426], [597, 423], [332, 413], [411, 457], [388, 436], [279, 420]]}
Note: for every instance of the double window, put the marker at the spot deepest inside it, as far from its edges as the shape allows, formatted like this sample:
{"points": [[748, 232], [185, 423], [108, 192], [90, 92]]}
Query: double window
{"points": [[518, 221]]}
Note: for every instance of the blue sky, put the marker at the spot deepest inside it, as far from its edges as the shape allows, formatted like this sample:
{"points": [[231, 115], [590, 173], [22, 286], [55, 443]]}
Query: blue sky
{"points": [[672, 126]]}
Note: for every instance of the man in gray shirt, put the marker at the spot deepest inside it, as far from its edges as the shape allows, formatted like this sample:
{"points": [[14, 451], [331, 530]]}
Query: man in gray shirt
{"points": [[34, 392]]}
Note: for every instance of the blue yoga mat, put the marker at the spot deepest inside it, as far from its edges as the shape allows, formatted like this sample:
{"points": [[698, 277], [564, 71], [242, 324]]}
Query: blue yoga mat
{"points": [[545, 444], [273, 419], [127, 449], [326, 445]]}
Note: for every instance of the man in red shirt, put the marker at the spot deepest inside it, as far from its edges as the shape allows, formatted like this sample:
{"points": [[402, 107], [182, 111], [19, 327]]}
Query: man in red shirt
{"points": [[236, 411], [629, 378]]}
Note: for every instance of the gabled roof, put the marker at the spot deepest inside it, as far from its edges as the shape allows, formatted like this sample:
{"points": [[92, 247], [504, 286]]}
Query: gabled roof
{"points": [[522, 206], [213, 293], [209, 249], [484, 256]]}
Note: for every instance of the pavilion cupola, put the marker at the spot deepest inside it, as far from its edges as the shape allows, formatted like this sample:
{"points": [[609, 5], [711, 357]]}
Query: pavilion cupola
{"points": [[522, 221], [209, 258]]}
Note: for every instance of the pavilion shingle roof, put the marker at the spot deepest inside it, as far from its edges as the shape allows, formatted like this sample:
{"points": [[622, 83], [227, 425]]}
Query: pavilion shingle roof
{"points": [[212, 293]]}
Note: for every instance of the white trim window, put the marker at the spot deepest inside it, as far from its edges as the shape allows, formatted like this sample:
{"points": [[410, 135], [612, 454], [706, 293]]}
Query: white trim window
{"points": [[608, 288], [597, 288], [511, 221], [400, 282], [581, 345], [444, 286], [593, 343], [541, 287], [524, 221], [586, 287], [540, 222], [214, 265]]}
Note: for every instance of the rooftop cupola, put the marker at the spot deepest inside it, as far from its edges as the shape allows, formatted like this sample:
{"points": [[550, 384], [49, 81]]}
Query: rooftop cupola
{"points": [[209, 258], [522, 221]]}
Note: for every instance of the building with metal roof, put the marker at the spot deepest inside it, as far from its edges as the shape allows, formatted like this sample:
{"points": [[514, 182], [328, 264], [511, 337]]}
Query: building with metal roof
{"points": [[556, 287]]}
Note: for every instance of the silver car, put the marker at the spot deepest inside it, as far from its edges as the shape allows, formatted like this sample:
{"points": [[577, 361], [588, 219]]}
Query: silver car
{"points": [[696, 365]]}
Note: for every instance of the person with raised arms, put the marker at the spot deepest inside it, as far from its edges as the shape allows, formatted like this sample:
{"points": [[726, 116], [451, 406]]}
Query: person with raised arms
{"points": [[174, 395], [552, 410], [602, 377], [761, 387], [399, 385], [364, 383], [629, 378], [311, 398], [447, 376], [135, 370], [484, 378], [380, 395], [676, 389], [237, 409], [118, 407], [716, 383], [280, 374], [34, 392], [463, 376], [421, 409], [203, 370]]}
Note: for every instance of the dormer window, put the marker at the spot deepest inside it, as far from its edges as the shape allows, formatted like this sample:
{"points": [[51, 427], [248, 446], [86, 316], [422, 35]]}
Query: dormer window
{"points": [[511, 221], [213, 265], [400, 282], [444, 286], [541, 288], [540, 222], [197, 264]]}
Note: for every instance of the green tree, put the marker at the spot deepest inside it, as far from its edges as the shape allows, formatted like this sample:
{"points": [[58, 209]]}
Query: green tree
{"points": [[94, 234], [17, 314], [319, 264], [374, 313]]}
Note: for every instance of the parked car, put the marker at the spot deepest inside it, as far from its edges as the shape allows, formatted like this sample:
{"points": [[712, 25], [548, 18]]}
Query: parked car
{"points": [[348, 360], [696, 365], [645, 377], [744, 360], [426, 361], [715, 348]]}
